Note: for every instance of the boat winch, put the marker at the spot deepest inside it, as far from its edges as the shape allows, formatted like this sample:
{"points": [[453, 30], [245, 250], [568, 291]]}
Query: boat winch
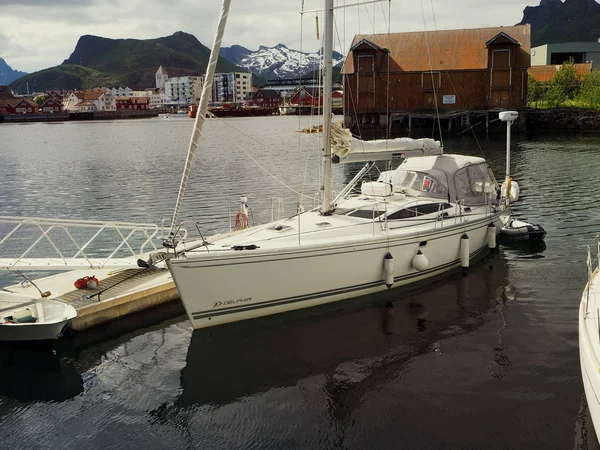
{"points": [[420, 261], [388, 269]]}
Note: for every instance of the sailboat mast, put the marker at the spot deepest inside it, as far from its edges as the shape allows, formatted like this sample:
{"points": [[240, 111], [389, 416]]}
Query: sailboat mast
{"points": [[202, 108], [326, 206]]}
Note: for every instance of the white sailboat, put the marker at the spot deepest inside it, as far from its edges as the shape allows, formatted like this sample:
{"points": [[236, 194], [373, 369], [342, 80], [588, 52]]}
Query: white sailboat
{"points": [[435, 212], [589, 334]]}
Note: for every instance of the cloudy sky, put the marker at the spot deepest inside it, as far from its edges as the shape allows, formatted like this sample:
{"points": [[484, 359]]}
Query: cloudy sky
{"points": [[36, 34]]}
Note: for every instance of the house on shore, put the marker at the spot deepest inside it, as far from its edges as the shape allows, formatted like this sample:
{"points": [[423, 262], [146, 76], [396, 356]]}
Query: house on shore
{"points": [[449, 70], [267, 98], [90, 100]]}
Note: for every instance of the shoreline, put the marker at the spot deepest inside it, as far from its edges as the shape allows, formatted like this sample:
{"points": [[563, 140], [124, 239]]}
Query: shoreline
{"points": [[77, 116]]}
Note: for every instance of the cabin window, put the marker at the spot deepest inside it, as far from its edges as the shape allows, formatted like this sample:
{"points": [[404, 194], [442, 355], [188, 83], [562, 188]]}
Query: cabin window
{"points": [[473, 183], [424, 183], [366, 213]]}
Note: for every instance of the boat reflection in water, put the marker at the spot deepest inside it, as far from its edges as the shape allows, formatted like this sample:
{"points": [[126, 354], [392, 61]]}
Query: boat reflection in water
{"points": [[347, 345], [36, 374]]}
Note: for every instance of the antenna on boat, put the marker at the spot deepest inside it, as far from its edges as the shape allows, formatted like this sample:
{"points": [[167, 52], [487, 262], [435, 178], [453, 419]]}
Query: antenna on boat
{"points": [[510, 189]]}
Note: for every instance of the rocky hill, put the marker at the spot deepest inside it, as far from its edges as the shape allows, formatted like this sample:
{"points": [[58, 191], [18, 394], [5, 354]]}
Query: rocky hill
{"points": [[554, 21], [98, 61], [7, 74]]}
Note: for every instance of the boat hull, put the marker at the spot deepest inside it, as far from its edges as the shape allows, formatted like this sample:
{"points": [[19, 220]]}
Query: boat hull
{"points": [[33, 331], [221, 289], [590, 365]]}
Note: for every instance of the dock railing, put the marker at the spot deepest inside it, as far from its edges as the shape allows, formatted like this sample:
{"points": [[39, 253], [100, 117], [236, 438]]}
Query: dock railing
{"points": [[34, 243]]}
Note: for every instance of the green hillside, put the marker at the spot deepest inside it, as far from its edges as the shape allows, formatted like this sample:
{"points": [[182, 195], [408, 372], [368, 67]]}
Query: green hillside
{"points": [[98, 61]]}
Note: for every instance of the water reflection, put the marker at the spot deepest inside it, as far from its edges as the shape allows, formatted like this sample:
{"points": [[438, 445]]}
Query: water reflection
{"points": [[585, 434], [348, 343], [30, 374]]}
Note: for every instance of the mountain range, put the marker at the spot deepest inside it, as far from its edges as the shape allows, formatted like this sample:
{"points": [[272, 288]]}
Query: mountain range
{"points": [[98, 61], [276, 62], [7, 74]]}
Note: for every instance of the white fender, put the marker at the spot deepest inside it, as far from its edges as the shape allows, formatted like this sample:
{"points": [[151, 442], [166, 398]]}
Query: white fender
{"points": [[491, 235], [513, 193], [420, 261], [388, 269], [464, 251]]}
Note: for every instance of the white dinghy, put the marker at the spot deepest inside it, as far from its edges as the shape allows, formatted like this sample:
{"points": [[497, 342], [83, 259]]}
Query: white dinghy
{"points": [[433, 213], [24, 318], [589, 334]]}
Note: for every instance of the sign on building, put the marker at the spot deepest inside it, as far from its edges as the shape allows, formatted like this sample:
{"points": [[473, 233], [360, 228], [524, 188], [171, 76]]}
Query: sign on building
{"points": [[449, 99]]}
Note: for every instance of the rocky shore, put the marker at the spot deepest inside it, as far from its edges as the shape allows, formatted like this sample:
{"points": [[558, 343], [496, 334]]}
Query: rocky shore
{"points": [[562, 120]]}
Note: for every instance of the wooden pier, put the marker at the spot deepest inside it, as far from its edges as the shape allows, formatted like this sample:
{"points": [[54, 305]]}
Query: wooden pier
{"points": [[121, 293]]}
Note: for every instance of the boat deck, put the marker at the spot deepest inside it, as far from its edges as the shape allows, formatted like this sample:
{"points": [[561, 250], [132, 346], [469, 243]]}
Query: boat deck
{"points": [[122, 292]]}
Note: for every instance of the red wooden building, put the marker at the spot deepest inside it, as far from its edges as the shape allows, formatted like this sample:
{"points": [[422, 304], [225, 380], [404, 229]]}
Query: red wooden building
{"points": [[453, 70], [131, 103], [267, 98], [307, 97], [51, 106], [21, 106]]}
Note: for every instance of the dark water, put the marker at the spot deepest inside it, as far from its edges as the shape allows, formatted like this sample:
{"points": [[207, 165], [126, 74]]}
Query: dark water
{"points": [[489, 360]]}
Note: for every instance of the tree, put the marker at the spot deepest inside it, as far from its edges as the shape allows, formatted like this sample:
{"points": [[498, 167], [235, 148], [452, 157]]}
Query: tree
{"points": [[590, 88], [535, 90], [564, 85], [40, 99]]}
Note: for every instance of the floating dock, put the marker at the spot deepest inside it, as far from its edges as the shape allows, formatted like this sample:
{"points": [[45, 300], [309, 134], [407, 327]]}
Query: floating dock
{"points": [[121, 292]]}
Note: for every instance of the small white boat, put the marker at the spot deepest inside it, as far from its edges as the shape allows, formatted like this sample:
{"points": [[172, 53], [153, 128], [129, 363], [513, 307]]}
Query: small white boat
{"points": [[24, 318], [589, 336], [519, 230]]}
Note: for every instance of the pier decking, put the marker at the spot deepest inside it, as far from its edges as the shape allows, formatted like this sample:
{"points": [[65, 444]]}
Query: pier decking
{"points": [[122, 292]]}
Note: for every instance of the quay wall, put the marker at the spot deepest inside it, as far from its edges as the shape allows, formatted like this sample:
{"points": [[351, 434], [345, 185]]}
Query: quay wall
{"points": [[65, 116]]}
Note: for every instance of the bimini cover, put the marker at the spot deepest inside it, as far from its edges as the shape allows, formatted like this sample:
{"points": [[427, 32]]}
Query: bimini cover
{"points": [[455, 177], [349, 149]]}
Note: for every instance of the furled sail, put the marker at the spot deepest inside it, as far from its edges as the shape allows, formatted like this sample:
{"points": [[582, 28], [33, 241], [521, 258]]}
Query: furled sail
{"points": [[346, 148]]}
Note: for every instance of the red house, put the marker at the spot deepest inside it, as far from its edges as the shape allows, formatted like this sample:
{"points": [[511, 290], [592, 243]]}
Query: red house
{"points": [[4, 106], [267, 98], [21, 106], [131, 103], [307, 97], [51, 106]]}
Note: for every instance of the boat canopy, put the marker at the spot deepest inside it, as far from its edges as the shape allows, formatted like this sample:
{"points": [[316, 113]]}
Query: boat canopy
{"points": [[455, 177], [346, 148]]}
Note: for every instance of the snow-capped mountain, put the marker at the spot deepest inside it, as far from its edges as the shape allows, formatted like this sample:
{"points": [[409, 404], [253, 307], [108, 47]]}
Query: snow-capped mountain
{"points": [[7, 74], [275, 62]]}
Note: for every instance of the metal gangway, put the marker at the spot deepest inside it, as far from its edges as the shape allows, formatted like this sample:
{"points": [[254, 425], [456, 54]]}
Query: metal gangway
{"points": [[34, 243]]}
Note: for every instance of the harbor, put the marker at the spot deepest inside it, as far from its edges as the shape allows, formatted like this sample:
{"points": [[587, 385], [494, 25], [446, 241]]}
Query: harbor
{"points": [[506, 334]]}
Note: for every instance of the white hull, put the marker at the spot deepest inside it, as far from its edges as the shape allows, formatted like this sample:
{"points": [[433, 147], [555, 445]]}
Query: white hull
{"points": [[589, 348], [220, 289], [52, 318]]}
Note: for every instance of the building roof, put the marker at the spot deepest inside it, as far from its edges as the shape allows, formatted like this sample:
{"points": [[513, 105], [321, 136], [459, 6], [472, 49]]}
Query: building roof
{"points": [[15, 101], [84, 103], [449, 49], [92, 94], [269, 93], [546, 73]]}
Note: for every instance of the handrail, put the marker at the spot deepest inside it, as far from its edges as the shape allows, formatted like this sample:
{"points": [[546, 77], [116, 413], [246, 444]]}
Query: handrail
{"points": [[51, 244]]}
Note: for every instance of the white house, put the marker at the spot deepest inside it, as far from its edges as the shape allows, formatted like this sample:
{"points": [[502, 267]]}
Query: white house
{"points": [[121, 91], [90, 100]]}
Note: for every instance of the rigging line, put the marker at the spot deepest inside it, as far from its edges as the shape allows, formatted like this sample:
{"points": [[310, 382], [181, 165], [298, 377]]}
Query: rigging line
{"points": [[223, 122], [435, 101], [387, 87], [459, 102]]}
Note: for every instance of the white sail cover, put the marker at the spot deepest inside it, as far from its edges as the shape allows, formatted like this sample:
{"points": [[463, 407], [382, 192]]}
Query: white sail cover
{"points": [[349, 149]]}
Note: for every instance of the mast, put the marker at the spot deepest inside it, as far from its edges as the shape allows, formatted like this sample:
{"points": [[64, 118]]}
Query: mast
{"points": [[327, 207], [202, 108]]}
